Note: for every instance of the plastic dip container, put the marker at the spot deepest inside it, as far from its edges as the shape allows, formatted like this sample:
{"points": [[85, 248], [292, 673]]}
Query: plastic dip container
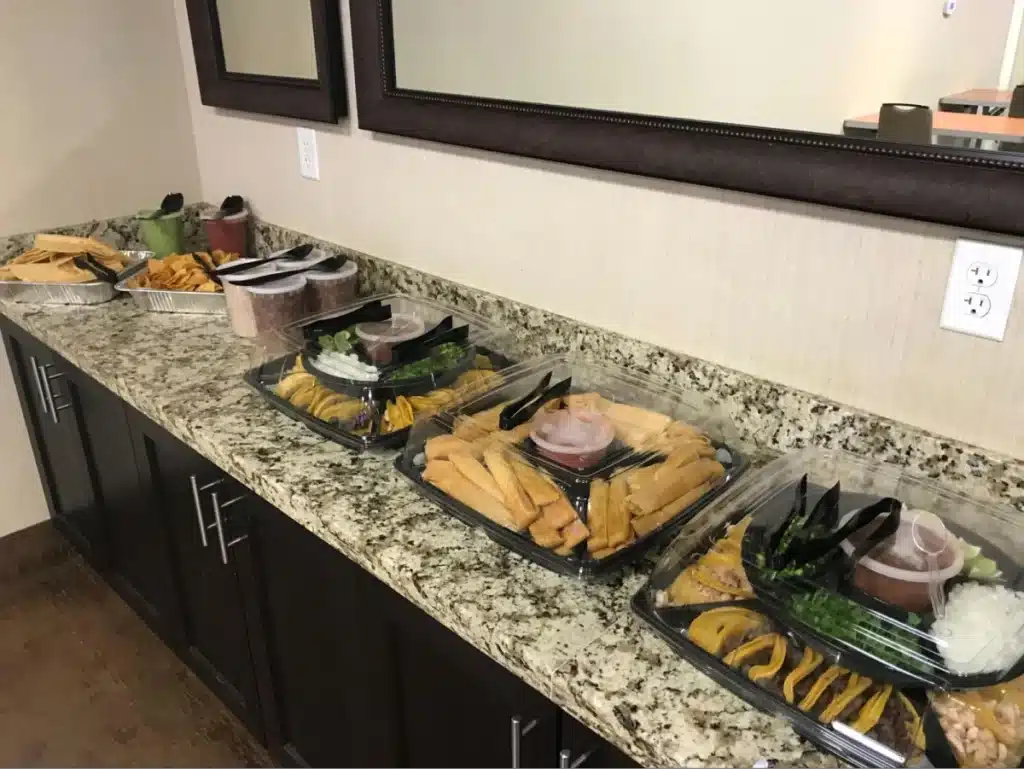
{"points": [[380, 337], [576, 439], [163, 236], [326, 291], [896, 571], [274, 305], [237, 298], [229, 234]]}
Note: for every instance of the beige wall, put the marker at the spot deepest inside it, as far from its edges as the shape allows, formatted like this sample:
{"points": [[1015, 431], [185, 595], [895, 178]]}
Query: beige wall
{"points": [[95, 121], [801, 64], [95, 124], [831, 302]]}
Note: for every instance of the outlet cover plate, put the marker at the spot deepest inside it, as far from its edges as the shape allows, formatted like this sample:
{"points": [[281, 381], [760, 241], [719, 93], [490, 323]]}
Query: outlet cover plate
{"points": [[959, 310], [309, 160]]}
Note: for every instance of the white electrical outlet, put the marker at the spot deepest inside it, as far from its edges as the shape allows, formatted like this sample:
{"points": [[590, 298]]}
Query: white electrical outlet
{"points": [[309, 162], [979, 294]]}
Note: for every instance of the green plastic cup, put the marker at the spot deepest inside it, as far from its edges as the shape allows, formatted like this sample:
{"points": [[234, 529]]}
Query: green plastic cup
{"points": [[163, 236]]}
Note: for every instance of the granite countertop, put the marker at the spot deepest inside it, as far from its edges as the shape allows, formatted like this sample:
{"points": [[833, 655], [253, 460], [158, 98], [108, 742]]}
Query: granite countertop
{"points": [[575, 642]]}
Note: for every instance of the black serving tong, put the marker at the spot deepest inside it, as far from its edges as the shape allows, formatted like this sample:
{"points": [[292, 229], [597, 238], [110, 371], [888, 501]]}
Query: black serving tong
{"points": [[171, 204], [426, 339], [90, 263], [328, 264], [211, 272], [523, 409], [299, 252], [805, 538], [374, 311]]}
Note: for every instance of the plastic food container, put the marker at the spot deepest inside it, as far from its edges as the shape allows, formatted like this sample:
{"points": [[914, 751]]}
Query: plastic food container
{"points": [[327, 291], [228, 233], [897, 572], [576, 439], [239, 301], [380, 337], [163, 236], [277, 304], [861, 647], [644, 458], [365, 415]]}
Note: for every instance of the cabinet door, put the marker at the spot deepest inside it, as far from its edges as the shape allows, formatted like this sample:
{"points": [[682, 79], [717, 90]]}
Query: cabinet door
{"points": [[328, 708], [451, 704], [185, 488], [139, 544], [53, 414], [580, 747]]}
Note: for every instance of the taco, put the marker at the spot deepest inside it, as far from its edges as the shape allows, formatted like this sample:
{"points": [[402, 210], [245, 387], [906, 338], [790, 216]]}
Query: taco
{"points": [[829, 681], [891, 719], [810, 661], [714, 629], [848, 701]]}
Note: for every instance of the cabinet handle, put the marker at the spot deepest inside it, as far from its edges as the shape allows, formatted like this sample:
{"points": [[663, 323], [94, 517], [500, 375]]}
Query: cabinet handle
{"points": [[48, 391], [518, 732], [36, 368], [219, 523], [197, 503], [565, 759]]}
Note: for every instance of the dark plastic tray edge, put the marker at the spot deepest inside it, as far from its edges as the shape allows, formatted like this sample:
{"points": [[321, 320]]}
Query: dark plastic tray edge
{"points": [[825, 738], [570, 566]]}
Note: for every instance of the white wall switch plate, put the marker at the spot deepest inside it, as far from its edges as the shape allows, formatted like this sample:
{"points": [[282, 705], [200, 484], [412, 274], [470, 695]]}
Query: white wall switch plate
{"points": [[309, 162], [979, 294]]}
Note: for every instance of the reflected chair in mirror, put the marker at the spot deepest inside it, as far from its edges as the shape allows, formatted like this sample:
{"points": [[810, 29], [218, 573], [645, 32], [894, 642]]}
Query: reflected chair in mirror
{"points": [[907, 123], [1016, 110]]}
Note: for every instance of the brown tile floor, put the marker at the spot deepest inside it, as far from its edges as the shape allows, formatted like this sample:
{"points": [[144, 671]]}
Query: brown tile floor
{"points": [[84, 682]]}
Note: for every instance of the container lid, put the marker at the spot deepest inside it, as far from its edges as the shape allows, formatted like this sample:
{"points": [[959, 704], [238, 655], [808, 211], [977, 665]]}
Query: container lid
{"points": [[366, 414], [208, 216], [864, 603], [286, 285], [259, 267], [400, 327], [607, 460], [346, 271]]}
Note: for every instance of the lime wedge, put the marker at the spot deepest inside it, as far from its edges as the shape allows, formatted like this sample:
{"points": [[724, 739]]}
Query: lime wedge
{"points": [[983, 568], [970, 551]]}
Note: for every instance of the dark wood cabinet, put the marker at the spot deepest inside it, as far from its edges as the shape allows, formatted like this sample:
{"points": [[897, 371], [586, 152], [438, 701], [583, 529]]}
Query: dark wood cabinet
{"points": [[448, 703], [53, 413], [326, 679], [325, 664], [197, 504]]}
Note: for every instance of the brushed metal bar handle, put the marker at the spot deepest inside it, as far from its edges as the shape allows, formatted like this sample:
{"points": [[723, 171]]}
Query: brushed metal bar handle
{"points": [[49, 394], [198, 504], [218, 506], [582, 759], [36, 368], [518, 732], [564, 759]]}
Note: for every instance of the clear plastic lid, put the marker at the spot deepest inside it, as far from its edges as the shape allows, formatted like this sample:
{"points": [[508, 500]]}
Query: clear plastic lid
{"points": [[839, 548], [318, 371], [575, 465], [346, 272]]}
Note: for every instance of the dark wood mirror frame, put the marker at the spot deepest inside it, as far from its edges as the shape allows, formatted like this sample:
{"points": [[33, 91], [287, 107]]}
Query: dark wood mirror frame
{"points": [[964, 188], [322, 100]]}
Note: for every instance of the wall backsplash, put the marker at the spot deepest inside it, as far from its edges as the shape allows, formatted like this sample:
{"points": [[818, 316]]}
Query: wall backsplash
{"points": [[825, 301]]}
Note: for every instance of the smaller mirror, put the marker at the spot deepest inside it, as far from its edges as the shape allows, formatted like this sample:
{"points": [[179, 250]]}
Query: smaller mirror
{"points": [[276, 57], [268, 37]]}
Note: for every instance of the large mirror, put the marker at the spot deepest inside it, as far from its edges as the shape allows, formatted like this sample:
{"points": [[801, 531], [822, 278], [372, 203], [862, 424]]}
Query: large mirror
{"points": [[278, 57], [905, 108], [919, 71]]}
